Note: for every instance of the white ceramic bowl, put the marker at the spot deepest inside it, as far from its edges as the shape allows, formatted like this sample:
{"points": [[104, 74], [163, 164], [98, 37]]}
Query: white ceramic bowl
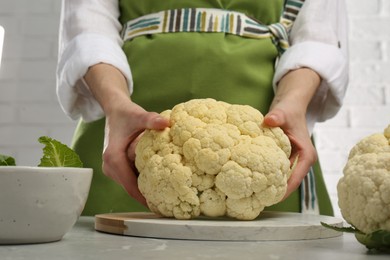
{"points": [[40, 204]]}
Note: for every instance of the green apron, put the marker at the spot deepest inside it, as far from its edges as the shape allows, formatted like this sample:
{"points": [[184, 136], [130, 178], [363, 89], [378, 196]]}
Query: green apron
{"points": [[171, 68]]}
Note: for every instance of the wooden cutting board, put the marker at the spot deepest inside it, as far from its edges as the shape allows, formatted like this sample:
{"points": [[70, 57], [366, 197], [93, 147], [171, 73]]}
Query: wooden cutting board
{"points": [[268, 226]]}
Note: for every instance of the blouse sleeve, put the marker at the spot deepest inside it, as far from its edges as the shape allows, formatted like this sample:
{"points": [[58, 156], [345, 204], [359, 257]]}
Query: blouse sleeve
{"points": [[89, 34], [319, 41]]}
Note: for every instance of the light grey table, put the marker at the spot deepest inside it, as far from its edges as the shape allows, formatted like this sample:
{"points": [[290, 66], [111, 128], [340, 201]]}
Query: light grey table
{"points": [[83, 242]]}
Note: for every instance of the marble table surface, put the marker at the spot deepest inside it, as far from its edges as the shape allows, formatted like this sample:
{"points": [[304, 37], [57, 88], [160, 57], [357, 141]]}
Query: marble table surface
{"points": [[84, 242]]}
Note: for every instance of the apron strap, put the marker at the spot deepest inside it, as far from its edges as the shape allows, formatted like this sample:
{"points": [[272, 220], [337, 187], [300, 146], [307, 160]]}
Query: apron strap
{"points": [[214, 20], [309, 201], [280, 31]]}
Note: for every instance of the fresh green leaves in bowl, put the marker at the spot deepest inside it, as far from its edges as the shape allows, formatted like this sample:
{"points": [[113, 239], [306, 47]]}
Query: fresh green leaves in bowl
{"points": [[55, 154], [6, 160]]}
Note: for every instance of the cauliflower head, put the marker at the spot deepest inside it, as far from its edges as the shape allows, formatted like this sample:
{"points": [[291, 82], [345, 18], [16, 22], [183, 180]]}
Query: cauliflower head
{"points": [[215, 159], [364, 190]]}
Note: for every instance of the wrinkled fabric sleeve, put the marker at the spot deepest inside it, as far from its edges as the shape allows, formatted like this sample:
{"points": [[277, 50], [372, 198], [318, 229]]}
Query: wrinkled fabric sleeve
{"points": [[319, 41], [89, 34]]}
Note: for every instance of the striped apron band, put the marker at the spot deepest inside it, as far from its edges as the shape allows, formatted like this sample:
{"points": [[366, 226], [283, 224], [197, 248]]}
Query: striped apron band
{"points": [[291, 10], [214, 20], [196, 20], [309, 201]]}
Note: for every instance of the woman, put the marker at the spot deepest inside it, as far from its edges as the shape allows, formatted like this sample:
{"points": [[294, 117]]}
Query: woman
{"points": [[172, 51]]}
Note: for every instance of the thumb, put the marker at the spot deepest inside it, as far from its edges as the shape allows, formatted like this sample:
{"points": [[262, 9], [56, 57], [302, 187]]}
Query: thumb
{"points": [[274, 118], [156, 121], [152, 121]]}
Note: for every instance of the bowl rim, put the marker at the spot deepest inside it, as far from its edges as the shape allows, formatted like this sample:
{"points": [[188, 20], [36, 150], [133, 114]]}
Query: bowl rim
{"points": [[42, 169]]}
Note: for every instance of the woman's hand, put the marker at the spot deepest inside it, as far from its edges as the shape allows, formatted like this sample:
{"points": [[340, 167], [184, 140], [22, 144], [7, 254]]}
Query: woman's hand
{"points": [[125, 121], [288, 111], [123, 126]]}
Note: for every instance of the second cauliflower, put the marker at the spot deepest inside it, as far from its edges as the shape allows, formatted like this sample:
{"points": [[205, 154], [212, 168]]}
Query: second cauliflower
{"points": [[364, 190], [215, 159]]}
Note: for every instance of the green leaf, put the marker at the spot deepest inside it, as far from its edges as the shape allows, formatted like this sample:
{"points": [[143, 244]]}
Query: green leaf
{"points": [[341, 229], [378, 240], [6, 160], [56, 154]]}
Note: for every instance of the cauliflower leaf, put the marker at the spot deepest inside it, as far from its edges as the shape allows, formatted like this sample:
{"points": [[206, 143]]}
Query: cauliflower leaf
{"points": [[56, 154], [378, 240]]}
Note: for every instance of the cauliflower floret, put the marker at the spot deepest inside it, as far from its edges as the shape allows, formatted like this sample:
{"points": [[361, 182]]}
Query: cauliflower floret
{"points": [[364, 190], [213, 203], [215, 159]]}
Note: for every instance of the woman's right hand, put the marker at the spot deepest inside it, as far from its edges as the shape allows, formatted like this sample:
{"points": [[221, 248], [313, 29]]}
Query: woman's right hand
{"points": [[125, 121], [123, 126]]}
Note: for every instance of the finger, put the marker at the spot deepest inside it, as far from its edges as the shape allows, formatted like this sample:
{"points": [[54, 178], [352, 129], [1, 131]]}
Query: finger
{"points": [[120, 171], [305, 161], [131, 149], [129, 183], [296, 178], [116, 166]]}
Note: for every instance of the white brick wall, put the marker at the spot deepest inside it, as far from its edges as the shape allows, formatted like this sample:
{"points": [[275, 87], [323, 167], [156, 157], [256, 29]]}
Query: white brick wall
{"points": [[28, 104], [29, 109], [367, 104]]}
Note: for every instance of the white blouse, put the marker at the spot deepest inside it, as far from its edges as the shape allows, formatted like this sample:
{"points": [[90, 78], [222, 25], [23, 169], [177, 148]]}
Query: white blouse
{"points": [[90, 34]]}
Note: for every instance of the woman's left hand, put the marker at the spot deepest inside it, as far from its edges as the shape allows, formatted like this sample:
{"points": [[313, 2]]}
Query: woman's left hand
{"points": [[295, 128], [288, 111]]}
